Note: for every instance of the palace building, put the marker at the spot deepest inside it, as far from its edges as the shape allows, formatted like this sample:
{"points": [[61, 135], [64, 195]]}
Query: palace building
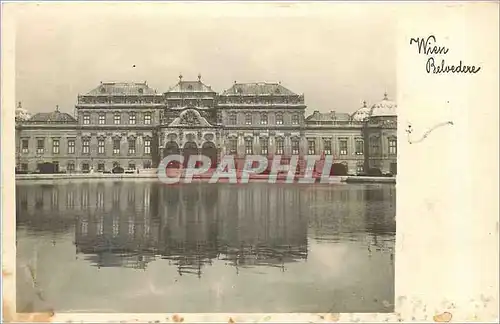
{"points": [[134, 126]]}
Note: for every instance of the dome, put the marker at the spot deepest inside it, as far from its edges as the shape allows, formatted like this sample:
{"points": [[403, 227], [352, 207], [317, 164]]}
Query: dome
{"points": [[22, 114], [385, 107], [361, 113]]}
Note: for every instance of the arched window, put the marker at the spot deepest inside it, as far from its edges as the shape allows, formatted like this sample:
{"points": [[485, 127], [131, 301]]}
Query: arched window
{"points": [[263, 119], [279, 119], [393, 146], [360, 167], [279, 145], [248, 119]]}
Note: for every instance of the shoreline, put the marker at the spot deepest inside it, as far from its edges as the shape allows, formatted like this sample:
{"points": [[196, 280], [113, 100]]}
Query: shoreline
{"points": [[281, 178]]}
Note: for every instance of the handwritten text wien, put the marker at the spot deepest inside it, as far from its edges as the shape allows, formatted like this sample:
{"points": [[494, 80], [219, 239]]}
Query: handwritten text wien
{"points": [[429, 47]]}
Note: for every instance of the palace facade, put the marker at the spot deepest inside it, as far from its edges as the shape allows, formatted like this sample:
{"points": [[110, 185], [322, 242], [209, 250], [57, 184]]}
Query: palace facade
{"points": [[133, 126]]}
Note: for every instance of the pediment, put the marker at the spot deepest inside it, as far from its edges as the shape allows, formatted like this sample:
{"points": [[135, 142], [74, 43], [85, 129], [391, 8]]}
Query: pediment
{"points": [[190, 117]]}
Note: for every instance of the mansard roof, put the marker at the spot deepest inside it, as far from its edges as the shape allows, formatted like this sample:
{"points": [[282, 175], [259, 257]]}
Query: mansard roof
{"points": [[190, 86], [258, 88], [52, 117], [122, 89], [317, 116]]}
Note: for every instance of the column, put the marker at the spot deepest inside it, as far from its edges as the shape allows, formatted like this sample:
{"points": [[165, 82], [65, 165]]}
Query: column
{"points": [[287, 149], [303, 146], [241, 145], [272, 146], [319, 145], [256, 144]]}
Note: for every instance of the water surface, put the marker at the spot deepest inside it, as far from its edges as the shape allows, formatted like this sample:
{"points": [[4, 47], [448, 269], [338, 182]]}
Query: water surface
{"points": [[141, 246]]}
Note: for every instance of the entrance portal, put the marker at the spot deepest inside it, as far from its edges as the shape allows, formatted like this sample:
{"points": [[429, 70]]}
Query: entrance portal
{"points": [[209, 150], [190, 148], [171, 148]]}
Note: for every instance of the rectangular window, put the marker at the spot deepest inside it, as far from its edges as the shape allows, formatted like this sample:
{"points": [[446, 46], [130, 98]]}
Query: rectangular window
{"points": [[343, 146], [248, 119], [85, 146], [85, 167], [100, 167], [264, 145], [70, 167], [392, 146], [360, 167], [147, 146], [147, 118], [131, 166], [311, 147], [55, 146], [25, 145], [360, 146], [131, 118], [232, 119], [295, 119], [100, 146], [86, 119], [375, 146], [279, 146], [131, 146], [147, 164], [102, 119], [71, 146], [279, 119], [233, 145], [248, 146], [116, 146], [327, 146], [263, 119], [40, 146], [117, 119], [295, 146]]}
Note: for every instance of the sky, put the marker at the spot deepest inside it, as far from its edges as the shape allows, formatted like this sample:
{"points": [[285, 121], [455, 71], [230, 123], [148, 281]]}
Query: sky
{"points": [[336, 54]]}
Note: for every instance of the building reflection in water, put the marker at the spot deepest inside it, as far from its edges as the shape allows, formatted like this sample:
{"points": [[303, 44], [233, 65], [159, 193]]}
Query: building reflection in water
{"points": [[129, 224]]}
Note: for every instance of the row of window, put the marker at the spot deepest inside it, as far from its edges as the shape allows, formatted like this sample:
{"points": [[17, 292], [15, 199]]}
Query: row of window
{"points": [[264, 146], [117, 118], [358, 148], [311, 149], [118, 100], [233, 143], [40, 148], [264, 120], [101, 166], [259, 101]]}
